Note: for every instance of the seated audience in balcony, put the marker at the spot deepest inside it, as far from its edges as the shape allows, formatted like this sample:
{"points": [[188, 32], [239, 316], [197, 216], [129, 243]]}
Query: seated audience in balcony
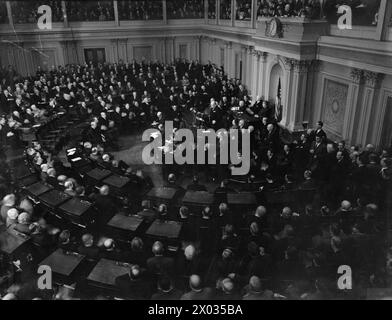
{"points": [[140, 10], [244, 10], [185, 9], [90, 10], [289, 8], [225, 10], [27, 11], [211, 9]]}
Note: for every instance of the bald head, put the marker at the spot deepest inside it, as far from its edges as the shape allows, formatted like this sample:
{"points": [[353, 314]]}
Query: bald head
{"points": [[261, 211], [195, 282], [227, 286], [104, 190], [157, 248], [255, 284]]}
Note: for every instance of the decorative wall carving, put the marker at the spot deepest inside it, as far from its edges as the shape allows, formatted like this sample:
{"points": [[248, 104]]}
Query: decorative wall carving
{"points": [[371, 78], [357, 75], [334, 105]]}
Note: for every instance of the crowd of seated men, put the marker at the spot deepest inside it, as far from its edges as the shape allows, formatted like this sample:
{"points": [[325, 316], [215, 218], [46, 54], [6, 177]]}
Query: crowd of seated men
{"points": [[90, 11], [140, 10], [27, 11], [225, 10], [289, 8], [243, 10], [364, 12], [185, 9], [272, 253]]}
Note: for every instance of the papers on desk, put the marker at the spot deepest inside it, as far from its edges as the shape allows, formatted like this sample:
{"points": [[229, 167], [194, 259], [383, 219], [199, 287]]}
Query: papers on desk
{"points": [[36, 126], [76, 159]]}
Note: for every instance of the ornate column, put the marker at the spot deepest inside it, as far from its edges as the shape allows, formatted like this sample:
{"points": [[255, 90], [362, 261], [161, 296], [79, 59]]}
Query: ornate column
{"points": [[298, 94], [254, 70], [309, 100], [349, 132], [229, 59], [261, 76], [114, 50], [247, 60], [63, 54], [122, 50], [286, 93], [371, 86]]}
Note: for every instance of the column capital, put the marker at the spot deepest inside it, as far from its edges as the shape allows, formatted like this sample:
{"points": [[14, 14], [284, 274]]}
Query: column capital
{"points": [[356, 75], [288, 63], [372, 79], [301, 65], [263, 56]]}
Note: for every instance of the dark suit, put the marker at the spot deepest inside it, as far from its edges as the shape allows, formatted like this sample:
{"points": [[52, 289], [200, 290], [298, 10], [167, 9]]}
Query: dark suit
{"points": [[160, 265], [137, 289], [203, 294]]}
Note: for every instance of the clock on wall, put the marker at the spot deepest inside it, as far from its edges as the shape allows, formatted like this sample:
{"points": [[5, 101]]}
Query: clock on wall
{"points": [[274, 28]]}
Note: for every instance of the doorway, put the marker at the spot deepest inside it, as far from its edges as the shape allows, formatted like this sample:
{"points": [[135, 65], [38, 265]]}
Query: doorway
{"points": [[96, 55]]}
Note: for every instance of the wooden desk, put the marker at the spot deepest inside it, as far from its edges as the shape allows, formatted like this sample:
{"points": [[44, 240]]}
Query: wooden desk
{"points": [[98, 174], [54, 198], [105, 273], [162, 195], [116, 181], [78, 211], [201, 198], [62, 263], [125, 223], [166, 229], [241, 199], [38, 188]]}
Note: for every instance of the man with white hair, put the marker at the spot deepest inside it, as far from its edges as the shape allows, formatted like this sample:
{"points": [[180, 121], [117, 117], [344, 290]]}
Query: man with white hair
{"points": [[12, 217], [7, 203], [23, 225]]}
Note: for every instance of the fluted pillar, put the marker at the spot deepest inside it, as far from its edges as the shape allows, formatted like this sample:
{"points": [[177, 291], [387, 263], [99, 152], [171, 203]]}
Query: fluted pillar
{"points": [[371, 85]]}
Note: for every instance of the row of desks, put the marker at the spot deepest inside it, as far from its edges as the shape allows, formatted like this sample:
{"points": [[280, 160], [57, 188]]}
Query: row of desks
{"points": [[67, 267]]}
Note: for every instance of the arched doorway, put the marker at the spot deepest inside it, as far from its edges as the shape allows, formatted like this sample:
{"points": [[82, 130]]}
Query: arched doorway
{"points": [[276, 83]]}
